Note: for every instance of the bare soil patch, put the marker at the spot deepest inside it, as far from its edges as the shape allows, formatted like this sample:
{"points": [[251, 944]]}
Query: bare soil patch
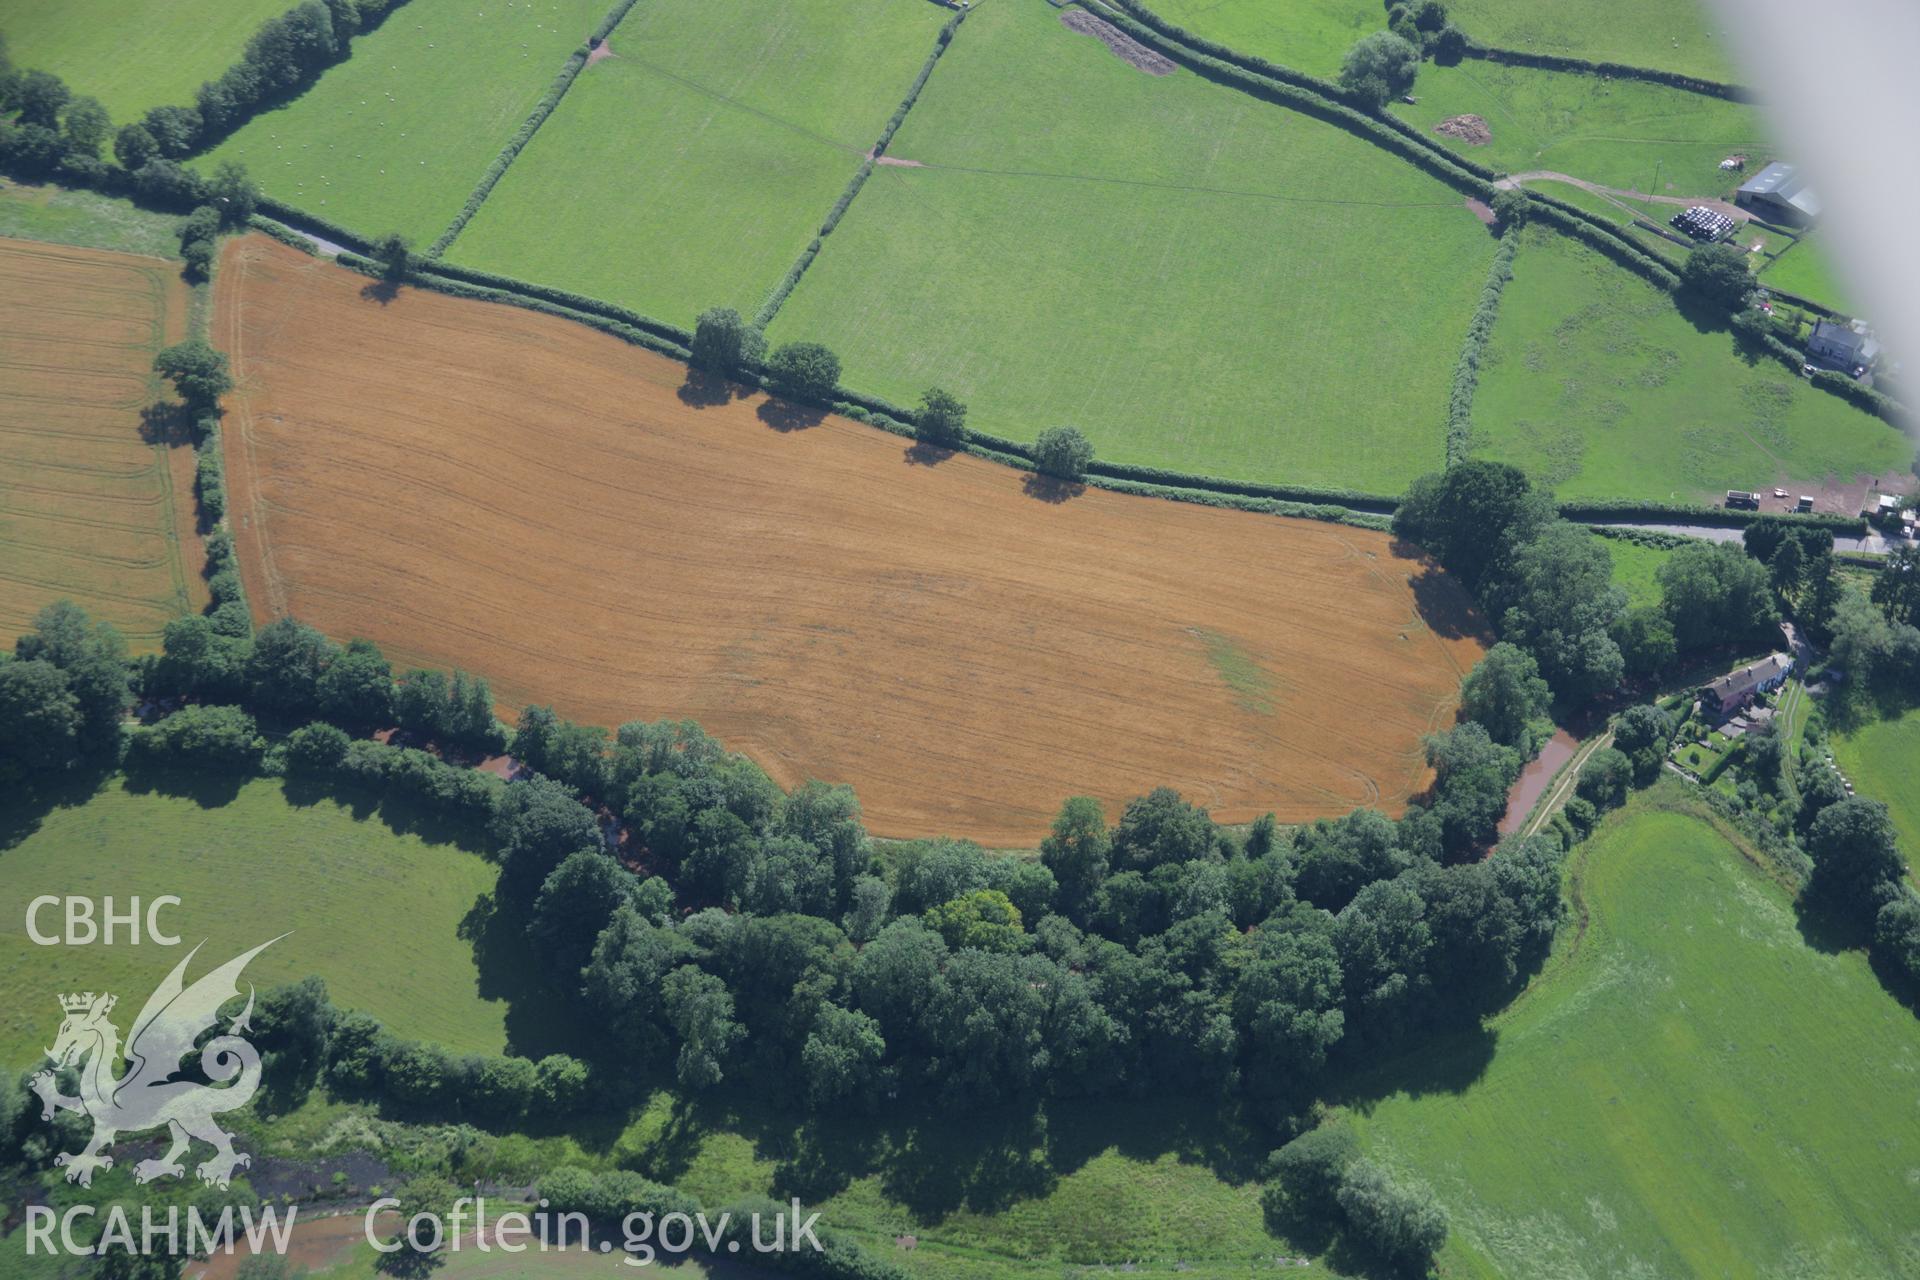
{"points": [[1124, 46], [1471, 130], [479, 486], [601, 50], [1481, 210]]}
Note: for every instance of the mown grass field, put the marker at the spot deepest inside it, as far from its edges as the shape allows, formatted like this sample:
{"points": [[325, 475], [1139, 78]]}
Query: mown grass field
{"points": [[395, 137], [1883, 760], [1619, 133], [375, 913], [85, 220], [1689, 1089], [1807, 270], [1195, 278], [132, 54], [1689, 37], [1309, 35], [1599, 387], [690, 168], [1635, 568], [90, 509]]}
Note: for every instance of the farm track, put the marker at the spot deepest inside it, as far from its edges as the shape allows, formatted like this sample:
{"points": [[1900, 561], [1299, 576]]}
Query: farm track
{"points": [[87, 507], [965, 654]]}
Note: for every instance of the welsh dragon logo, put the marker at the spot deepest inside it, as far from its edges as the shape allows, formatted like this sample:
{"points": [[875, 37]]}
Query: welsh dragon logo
{"points": [[151, 1093]]}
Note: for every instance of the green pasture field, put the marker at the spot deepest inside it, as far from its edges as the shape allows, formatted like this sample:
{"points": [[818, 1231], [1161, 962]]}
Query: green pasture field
{"points": [[86, 220], [1806, 269], [397, 136], [1619, 133], [1195, 278], [1309, 35], [693, 166], [1635, 567], [132, 54], [375, 913], [1599, 387], [1688, 1089], [1882, 759], [1688, 37]]}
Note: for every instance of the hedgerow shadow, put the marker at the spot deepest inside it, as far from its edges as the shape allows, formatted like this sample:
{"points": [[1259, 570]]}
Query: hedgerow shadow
{"points": [[207, 788]]}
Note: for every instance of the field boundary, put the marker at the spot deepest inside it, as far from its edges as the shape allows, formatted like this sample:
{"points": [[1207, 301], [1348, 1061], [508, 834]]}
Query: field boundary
{"points": [[1466, 370], [777, 296], [548, 103], [1617, 70], [670, 340]]}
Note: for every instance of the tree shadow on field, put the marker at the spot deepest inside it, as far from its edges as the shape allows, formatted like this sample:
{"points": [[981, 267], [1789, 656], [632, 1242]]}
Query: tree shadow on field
{"points": [[1450, 1063], [922, 454], [783, 415], [703, 390], [1826, 930], [1443, 604], [507, 970], [1050, 488], [167, 422], [25, 805], [1704, 315], [381, 291], [208, 788]]}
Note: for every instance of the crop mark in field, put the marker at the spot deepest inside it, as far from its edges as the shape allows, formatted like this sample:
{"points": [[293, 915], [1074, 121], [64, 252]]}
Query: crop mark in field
{"points": [[1252, 684]]}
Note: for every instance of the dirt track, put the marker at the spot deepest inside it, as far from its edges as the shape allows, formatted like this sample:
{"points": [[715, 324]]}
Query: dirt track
{"points": [[477, 485]]}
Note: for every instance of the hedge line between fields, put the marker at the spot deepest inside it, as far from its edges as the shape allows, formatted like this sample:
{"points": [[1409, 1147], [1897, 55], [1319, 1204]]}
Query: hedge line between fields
{"points": [[1604, 237], [777, 297], [879, 412], [222, 569], [1328, 101], [1304, 94], [481, 293], [575, 64], [1466, 370], [1616, 70]]}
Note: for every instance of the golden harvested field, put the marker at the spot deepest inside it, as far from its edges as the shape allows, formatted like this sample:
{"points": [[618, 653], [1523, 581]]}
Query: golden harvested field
{"points": [[89, 509], [476, 485]]}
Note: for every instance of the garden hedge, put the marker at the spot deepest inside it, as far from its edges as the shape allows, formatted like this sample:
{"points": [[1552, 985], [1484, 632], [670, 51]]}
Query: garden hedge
{"points": [[1599, 510]]}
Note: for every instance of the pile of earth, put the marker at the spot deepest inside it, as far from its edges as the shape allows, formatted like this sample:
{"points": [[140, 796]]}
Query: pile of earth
{"points": [[1471, 130], [1123, 45]]}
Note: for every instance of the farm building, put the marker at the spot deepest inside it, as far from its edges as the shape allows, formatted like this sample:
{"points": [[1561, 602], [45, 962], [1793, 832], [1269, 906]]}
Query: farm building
{"points": [[1737, 688], [1779, 193], [1844, 347]]}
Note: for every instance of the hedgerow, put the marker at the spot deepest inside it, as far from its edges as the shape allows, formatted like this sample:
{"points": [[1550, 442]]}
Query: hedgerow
{"points": [[1609, 240], [1612, 70], [1466, 370], [777, 297], [302, 220], [523, 135], [1861, 396], [1605, 509], [1657, 539], [1294, 91], [459, 289], [576, 62]]}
